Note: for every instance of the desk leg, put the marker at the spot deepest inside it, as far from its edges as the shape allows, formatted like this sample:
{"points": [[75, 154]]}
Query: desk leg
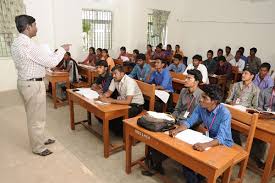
{"points": [[71, 104], [128, 150], [269, 162], [89, 118], [106, 137], [54, 94], [124, 117], [68, 86], [227, 175]]}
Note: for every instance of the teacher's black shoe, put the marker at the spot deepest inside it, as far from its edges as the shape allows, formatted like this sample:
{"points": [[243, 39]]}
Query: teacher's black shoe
{"points": [[44, 153], [49, 141]]}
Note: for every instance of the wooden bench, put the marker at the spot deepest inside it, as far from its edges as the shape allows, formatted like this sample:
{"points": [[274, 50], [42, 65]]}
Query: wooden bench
{"points": [[244, 123], [148, 91]]}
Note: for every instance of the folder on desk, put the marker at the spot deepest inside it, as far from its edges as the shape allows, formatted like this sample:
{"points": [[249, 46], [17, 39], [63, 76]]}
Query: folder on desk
{"points": [[88, 93]]}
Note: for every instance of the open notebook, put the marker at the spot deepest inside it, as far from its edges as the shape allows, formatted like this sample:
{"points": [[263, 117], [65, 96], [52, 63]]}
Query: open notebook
{"points": [[192, 137]]}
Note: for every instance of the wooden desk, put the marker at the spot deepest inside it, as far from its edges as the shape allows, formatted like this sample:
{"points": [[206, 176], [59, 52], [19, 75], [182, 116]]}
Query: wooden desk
{"points": [[178, 84], [87, 71], [211, 163], [104, 112], [55, 77], [265, 131]]}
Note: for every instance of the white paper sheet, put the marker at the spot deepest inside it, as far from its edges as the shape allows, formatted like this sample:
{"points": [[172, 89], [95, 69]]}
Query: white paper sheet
{"points": [[124, 59], [192, 137], [88, 93], [87, 66], [159, 115], [162, 95]]}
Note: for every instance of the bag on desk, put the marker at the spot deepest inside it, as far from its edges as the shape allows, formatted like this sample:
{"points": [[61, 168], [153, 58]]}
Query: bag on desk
{"points": [[154, 124]]}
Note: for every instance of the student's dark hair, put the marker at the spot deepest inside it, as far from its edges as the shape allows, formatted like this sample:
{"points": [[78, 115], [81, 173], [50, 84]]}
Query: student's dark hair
{"points": [[241, 48], [169, 45], [266, 65], [220, 50], [178, 56], [149, 45], [105, 50], [253, 49], [141, 56], [197, 57], [101, 63], [22, 21], [228, 47], [238, 51], [161, 45], [92, 48], [196, 73], [136, 51], [214, 92], [222, 58], [68, 53], [177, 45], [123, 48], [99, 49], [158, 46], [162, 61], [210, 51], [119, 68], [250, 70]]}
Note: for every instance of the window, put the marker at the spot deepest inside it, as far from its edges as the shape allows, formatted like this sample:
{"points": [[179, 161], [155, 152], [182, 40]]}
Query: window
{"points": [[157, 27], [8, 10], [97, 28]]}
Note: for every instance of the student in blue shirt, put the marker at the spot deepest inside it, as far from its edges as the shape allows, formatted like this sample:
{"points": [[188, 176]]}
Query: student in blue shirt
{"points": [[141, 70], [176, 66], [215, 117], [160, 76]]}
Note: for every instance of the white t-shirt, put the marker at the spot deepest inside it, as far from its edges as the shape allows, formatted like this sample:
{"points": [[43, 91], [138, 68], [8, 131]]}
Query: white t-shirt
{"points": [[240, 64], [201, 68]]}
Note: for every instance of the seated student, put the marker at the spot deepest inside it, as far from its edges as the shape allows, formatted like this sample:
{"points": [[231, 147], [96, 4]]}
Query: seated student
{"points": [[266, 103], [91, 58], [160, 76], [149, 52], [176, 66], [69, 65], [219, 53], [196, 65], [241, 49], [133, 59], [237, 61], [158, 54], [228, 54], [168, 53], [224, 68], [215, 117], [109, 60], [141, 70], [129, 94], [189, 96], [188, 100], [99, 54], [210, 63], [104, 78], [178, 50], [123, 54], [263, 79], [245, 92], [253, 61]]}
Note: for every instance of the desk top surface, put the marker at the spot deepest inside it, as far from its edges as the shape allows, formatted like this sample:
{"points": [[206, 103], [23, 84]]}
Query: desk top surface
{"points": [[102, 107], [57, 73], [216, 157], [267, 125]]}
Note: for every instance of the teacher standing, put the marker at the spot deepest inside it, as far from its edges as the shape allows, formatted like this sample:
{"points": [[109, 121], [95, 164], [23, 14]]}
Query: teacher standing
{"points": [[31, 62]]}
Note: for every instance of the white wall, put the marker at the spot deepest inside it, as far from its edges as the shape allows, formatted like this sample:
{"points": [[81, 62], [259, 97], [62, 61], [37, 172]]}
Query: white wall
{"points": [[196, 25]]}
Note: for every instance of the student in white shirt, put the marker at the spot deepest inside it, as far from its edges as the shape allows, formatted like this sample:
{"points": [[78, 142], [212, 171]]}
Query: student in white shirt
{"points": [[237, 61], [197, 59]]}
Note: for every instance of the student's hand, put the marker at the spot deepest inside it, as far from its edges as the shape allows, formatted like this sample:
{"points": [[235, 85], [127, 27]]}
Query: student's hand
{"points": [[200, 146], [102, 98], [175, 131], [66, 46]]}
